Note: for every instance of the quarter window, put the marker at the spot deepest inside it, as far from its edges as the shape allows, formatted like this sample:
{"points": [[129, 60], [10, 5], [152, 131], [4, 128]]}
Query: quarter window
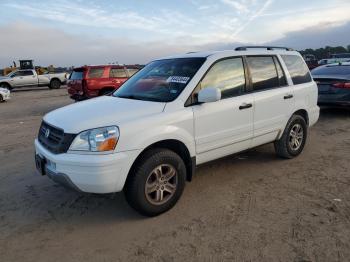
{"points": [[263, 72], [228, 76], [117, 73], [297, 69], [96, 72]]}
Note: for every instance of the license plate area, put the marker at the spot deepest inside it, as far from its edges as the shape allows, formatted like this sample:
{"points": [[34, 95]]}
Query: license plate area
{"points": [[40, 163]]}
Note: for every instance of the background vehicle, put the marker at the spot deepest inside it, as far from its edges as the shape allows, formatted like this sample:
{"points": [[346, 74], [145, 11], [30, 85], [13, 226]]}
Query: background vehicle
{"points": [[311, 61], [29, 77], [4, 94], [92, 81], [333, 82], [335, 58], [176, 113]]}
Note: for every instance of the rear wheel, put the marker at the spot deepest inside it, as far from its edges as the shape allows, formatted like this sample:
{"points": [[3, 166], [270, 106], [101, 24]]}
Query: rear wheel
{"points": [[1, 98], [156, 182], [55, 84], [293, 140]]}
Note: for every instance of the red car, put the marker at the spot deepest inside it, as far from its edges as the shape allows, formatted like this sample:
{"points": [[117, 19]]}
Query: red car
{"points": [[92, 81]]}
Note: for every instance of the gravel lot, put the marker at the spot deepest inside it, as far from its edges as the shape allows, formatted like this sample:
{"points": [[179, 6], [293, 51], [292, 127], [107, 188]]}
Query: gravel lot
{"points": [[247, 207]]}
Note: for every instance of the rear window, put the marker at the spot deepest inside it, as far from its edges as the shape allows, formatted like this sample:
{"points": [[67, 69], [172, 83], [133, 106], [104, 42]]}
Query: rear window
{"points": [[76, 75], [332, 70], [297, 69], [117, 73], [96, 72]]}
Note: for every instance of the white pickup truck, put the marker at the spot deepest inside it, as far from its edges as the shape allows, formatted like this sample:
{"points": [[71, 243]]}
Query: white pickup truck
{"points": [[22, 78]]}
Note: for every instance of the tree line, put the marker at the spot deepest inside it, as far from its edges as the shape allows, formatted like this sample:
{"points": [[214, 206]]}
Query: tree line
{"points": [[326, 52]]}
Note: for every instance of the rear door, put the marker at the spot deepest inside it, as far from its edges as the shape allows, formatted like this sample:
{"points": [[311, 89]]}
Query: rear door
{"points": [[118, 76], [226, 126], [273, 97]]}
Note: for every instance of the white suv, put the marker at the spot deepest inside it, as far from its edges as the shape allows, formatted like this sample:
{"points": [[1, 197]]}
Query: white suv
{"points": [[179, 112]]}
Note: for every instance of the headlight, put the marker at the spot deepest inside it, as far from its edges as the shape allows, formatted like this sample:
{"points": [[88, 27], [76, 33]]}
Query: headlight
{"points": [[96, 140]]}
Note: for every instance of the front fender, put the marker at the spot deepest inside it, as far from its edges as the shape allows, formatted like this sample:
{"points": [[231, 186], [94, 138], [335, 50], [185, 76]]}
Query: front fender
{"points": [[144, 132]]}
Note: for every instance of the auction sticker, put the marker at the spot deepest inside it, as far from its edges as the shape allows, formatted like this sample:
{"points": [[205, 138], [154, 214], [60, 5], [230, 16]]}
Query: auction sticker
{"points": [[178, 79]]}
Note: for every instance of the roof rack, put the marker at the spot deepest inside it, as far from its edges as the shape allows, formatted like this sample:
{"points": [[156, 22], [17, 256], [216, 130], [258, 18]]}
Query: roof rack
{"points": [[244, 48]]}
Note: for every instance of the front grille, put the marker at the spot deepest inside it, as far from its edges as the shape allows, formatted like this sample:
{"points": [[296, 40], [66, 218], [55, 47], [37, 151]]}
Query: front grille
{"points": [[54, 139]]}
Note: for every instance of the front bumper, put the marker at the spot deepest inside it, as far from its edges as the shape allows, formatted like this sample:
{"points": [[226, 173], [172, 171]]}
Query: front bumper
{"points": [[6, 96], [88, 173]]}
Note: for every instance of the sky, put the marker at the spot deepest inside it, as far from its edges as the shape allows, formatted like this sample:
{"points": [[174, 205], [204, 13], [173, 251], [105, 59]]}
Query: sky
{"points": [[78, 32]]}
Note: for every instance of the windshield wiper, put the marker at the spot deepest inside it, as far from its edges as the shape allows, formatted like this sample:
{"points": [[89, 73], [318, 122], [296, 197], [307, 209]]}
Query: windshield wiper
{"points": [[129, 97]]}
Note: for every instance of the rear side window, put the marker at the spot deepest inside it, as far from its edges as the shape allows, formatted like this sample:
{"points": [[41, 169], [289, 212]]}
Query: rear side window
{"points": [[263, 72], [297, 69], [76, 75], [117, 73], [226, 75], [96, 72]]}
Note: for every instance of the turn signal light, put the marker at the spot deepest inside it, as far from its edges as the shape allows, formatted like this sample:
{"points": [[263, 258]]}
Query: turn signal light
{"points": [[108, 145]]}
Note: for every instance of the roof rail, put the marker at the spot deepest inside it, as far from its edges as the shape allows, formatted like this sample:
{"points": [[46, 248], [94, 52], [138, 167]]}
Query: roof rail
{"points": [[244, 48]]}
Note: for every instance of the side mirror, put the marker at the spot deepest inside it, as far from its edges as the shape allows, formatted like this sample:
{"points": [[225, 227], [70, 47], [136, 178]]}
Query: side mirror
{"points": [[209, 94]]}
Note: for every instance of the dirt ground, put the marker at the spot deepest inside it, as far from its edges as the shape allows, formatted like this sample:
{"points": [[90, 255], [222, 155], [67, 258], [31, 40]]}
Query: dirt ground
{"points": [[248, 207]]}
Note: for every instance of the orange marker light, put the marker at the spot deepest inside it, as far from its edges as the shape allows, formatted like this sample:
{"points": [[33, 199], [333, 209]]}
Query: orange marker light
{"points": [[108, 145]]}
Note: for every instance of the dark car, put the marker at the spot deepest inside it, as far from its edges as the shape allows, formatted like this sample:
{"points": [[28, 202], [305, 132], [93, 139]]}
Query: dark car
{"points": [[333, 82]]}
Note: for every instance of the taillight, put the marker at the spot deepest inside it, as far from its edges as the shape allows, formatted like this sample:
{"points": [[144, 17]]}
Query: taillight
{"points": [[343, 85]]}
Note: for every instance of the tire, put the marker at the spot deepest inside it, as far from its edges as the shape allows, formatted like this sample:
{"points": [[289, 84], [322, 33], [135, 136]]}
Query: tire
{"points": [[1, 99], [293, 139], [55, 84], [151, 173]]}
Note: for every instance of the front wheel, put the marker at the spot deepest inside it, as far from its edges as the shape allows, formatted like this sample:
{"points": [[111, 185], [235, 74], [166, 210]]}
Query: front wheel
{"points": [[156, 182], [293, 140]]}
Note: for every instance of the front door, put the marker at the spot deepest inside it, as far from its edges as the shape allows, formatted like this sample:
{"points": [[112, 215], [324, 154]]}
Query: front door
{"points": [[226, 126]]}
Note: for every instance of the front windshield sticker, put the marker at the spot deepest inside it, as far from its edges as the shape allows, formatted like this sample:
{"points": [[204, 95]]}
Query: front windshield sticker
{"points": [[178, 79]]}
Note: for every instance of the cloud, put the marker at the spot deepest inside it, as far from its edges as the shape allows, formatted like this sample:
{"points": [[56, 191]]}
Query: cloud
{"points": [[95, 16], [320, 35], [52, 46]]}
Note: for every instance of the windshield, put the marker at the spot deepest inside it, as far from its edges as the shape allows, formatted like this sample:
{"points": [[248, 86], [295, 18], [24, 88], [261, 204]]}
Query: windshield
{"points": [[76, 75], [160, 81]]}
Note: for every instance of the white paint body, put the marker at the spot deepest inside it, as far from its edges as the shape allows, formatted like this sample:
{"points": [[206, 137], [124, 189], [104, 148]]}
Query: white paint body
{"points": [[208, 130], [31, 80], [5, 94]]}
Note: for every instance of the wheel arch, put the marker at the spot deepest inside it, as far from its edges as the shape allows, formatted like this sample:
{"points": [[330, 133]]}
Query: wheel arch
{"points": [[55, 78], [303, 113], [6, 84], [176, 146]]}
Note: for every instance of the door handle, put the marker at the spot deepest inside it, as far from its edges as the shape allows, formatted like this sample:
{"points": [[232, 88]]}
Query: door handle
{"points": [[245, 106], [289, 96]]}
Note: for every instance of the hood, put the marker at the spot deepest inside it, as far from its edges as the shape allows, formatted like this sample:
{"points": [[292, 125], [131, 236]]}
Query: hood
{"points": [[4, 77], [99, 112]]}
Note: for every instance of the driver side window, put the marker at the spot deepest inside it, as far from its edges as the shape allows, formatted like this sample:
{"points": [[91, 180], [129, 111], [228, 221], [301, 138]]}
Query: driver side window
{"points": [[226, 75]]}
